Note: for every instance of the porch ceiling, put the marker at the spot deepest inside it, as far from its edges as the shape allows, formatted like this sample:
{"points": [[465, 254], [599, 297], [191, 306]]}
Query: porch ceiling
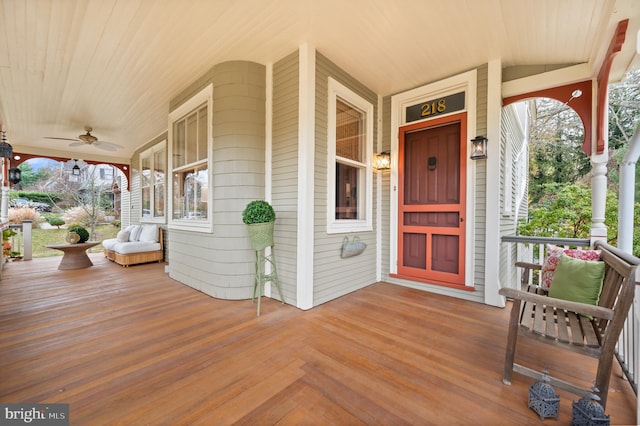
{"points": [[115, 64]]}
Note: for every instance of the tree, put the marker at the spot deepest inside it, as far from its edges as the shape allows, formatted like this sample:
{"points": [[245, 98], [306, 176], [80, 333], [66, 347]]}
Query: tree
{"points": [[30, 177], [624, 118], [556, 134], [87, 196], [555, 141]]}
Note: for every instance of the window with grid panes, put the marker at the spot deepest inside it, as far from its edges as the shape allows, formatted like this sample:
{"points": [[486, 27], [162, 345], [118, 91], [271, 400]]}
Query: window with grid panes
{"points": [[350, 148]]}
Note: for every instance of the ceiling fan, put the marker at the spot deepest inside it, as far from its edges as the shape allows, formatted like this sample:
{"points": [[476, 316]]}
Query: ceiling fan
{"points": [[89, 139]]}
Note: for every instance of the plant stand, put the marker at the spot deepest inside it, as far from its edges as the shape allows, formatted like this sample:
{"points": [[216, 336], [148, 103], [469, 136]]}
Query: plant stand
{"points": [[262, 277]]}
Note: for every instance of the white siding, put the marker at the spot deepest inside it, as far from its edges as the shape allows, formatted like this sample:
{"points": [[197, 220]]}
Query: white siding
{"points": [[513, 151], [222, 264], [334, 276], [285, 171]]}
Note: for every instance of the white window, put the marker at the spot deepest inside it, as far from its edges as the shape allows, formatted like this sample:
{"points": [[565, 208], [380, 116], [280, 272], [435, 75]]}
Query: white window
{"points": [[152, 183], [189, 156], [350, 148]]}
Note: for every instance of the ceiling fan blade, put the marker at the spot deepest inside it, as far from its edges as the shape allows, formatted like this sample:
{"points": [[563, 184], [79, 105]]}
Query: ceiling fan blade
{"points": [[80, 143], [108, 146], [105, 146], [61, 139]]}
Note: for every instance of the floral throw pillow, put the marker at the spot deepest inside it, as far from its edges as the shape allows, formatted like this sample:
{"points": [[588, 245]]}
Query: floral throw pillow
{"points": [[554, 253]]}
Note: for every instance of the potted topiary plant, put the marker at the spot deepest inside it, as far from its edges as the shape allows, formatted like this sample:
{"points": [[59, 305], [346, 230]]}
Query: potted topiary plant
{"points": [[260, 217], [77, 235]]}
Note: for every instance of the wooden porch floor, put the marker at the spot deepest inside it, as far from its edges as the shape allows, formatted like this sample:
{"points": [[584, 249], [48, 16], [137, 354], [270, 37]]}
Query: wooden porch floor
{"points": [[131, 346]]}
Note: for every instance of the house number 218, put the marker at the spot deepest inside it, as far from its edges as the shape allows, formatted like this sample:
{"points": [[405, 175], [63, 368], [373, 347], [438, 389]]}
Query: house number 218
{"points": [[434, 107]]}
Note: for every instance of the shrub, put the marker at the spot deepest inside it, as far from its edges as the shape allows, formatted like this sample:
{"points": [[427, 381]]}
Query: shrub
{"points": [[82, 233], [19, 215], [80, 215], [258, 211], [54, 220]]}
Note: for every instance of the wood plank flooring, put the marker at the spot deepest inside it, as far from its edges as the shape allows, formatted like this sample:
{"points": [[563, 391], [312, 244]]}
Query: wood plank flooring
{"points": [[130, 346]]}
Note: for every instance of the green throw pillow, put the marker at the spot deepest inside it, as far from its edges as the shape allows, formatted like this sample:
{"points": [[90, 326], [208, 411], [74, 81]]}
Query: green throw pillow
{"points": [[577, 280]]}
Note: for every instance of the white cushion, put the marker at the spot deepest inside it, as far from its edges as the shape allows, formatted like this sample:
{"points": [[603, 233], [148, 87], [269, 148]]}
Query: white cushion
{"points": [[123, 236], [135, 247], [149, 233], [134, 233], [110, 243]]}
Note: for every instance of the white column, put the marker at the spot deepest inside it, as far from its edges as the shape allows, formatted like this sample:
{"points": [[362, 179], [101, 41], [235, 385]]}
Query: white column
{"points": [[598, 196], [493, 166], [4, 206], [626, 193], [306, 168]]}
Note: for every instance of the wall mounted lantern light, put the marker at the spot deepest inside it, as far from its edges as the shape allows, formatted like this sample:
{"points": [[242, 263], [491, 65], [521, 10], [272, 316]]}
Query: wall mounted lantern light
{"points": [[15, 175], [382, 161], [479, 148]]}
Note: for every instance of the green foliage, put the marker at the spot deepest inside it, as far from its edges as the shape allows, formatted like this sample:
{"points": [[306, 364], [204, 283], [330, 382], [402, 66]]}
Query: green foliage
{"points": [[565, 211], [31, 177], [54, 220], [7, 233], [555, 148], [116, 223], [39, 197], [258, 211], [82, 232]]}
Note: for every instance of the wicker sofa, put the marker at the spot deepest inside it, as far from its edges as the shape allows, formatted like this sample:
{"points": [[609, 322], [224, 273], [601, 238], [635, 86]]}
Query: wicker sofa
{"points": [[135, 244]]}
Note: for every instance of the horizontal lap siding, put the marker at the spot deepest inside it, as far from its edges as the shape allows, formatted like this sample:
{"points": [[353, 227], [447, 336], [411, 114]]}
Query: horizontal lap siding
{"points": [[333, 276], [285, 171], [222, 264], [386, 190], [512, 138]]}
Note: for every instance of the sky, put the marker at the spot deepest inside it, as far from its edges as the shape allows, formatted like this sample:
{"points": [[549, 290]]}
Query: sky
{"points": [[38, 163]]}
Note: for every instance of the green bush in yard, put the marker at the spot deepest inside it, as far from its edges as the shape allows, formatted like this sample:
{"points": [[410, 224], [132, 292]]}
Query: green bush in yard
{"points": [[54, 220]]}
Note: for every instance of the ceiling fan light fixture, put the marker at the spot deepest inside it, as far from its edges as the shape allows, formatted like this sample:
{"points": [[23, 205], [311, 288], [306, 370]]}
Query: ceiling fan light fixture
{"points": [[88, 138]]}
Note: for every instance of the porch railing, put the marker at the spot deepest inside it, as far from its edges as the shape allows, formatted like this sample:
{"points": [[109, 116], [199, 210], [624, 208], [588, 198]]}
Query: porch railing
{"points": [[533, 250], [21, 244]]}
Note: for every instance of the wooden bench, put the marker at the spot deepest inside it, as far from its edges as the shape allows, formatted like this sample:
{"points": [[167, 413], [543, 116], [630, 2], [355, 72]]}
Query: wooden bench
{"points": [[567, 324]]}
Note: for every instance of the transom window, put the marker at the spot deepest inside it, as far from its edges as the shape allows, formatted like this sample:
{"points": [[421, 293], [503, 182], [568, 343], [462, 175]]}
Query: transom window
{"points": [[350, 146]]}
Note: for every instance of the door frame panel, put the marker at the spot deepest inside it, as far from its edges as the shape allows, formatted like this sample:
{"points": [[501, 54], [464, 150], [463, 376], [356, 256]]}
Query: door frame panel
{"points": [[440, 278]]}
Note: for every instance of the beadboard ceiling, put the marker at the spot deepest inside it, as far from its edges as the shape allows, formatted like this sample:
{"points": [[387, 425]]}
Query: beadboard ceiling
{"points": [[115, 64]]}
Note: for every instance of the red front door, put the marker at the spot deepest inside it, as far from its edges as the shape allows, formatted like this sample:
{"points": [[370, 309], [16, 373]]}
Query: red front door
{"points": [[431, 201]]}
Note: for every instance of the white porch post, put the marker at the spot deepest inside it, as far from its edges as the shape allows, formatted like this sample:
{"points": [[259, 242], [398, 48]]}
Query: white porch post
{"points": [[4, 206], [598, 196], [599, 178]]}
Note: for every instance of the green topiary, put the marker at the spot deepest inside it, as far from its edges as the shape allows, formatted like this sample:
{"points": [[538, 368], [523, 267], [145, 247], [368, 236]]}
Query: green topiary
{"points": [[83, 233], [54, 220], [258, 211]]}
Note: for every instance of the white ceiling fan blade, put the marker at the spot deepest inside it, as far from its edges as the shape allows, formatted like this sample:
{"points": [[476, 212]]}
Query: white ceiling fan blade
{"points": [[78, 143], [105, 146], [61, 139], [108, 146]]}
